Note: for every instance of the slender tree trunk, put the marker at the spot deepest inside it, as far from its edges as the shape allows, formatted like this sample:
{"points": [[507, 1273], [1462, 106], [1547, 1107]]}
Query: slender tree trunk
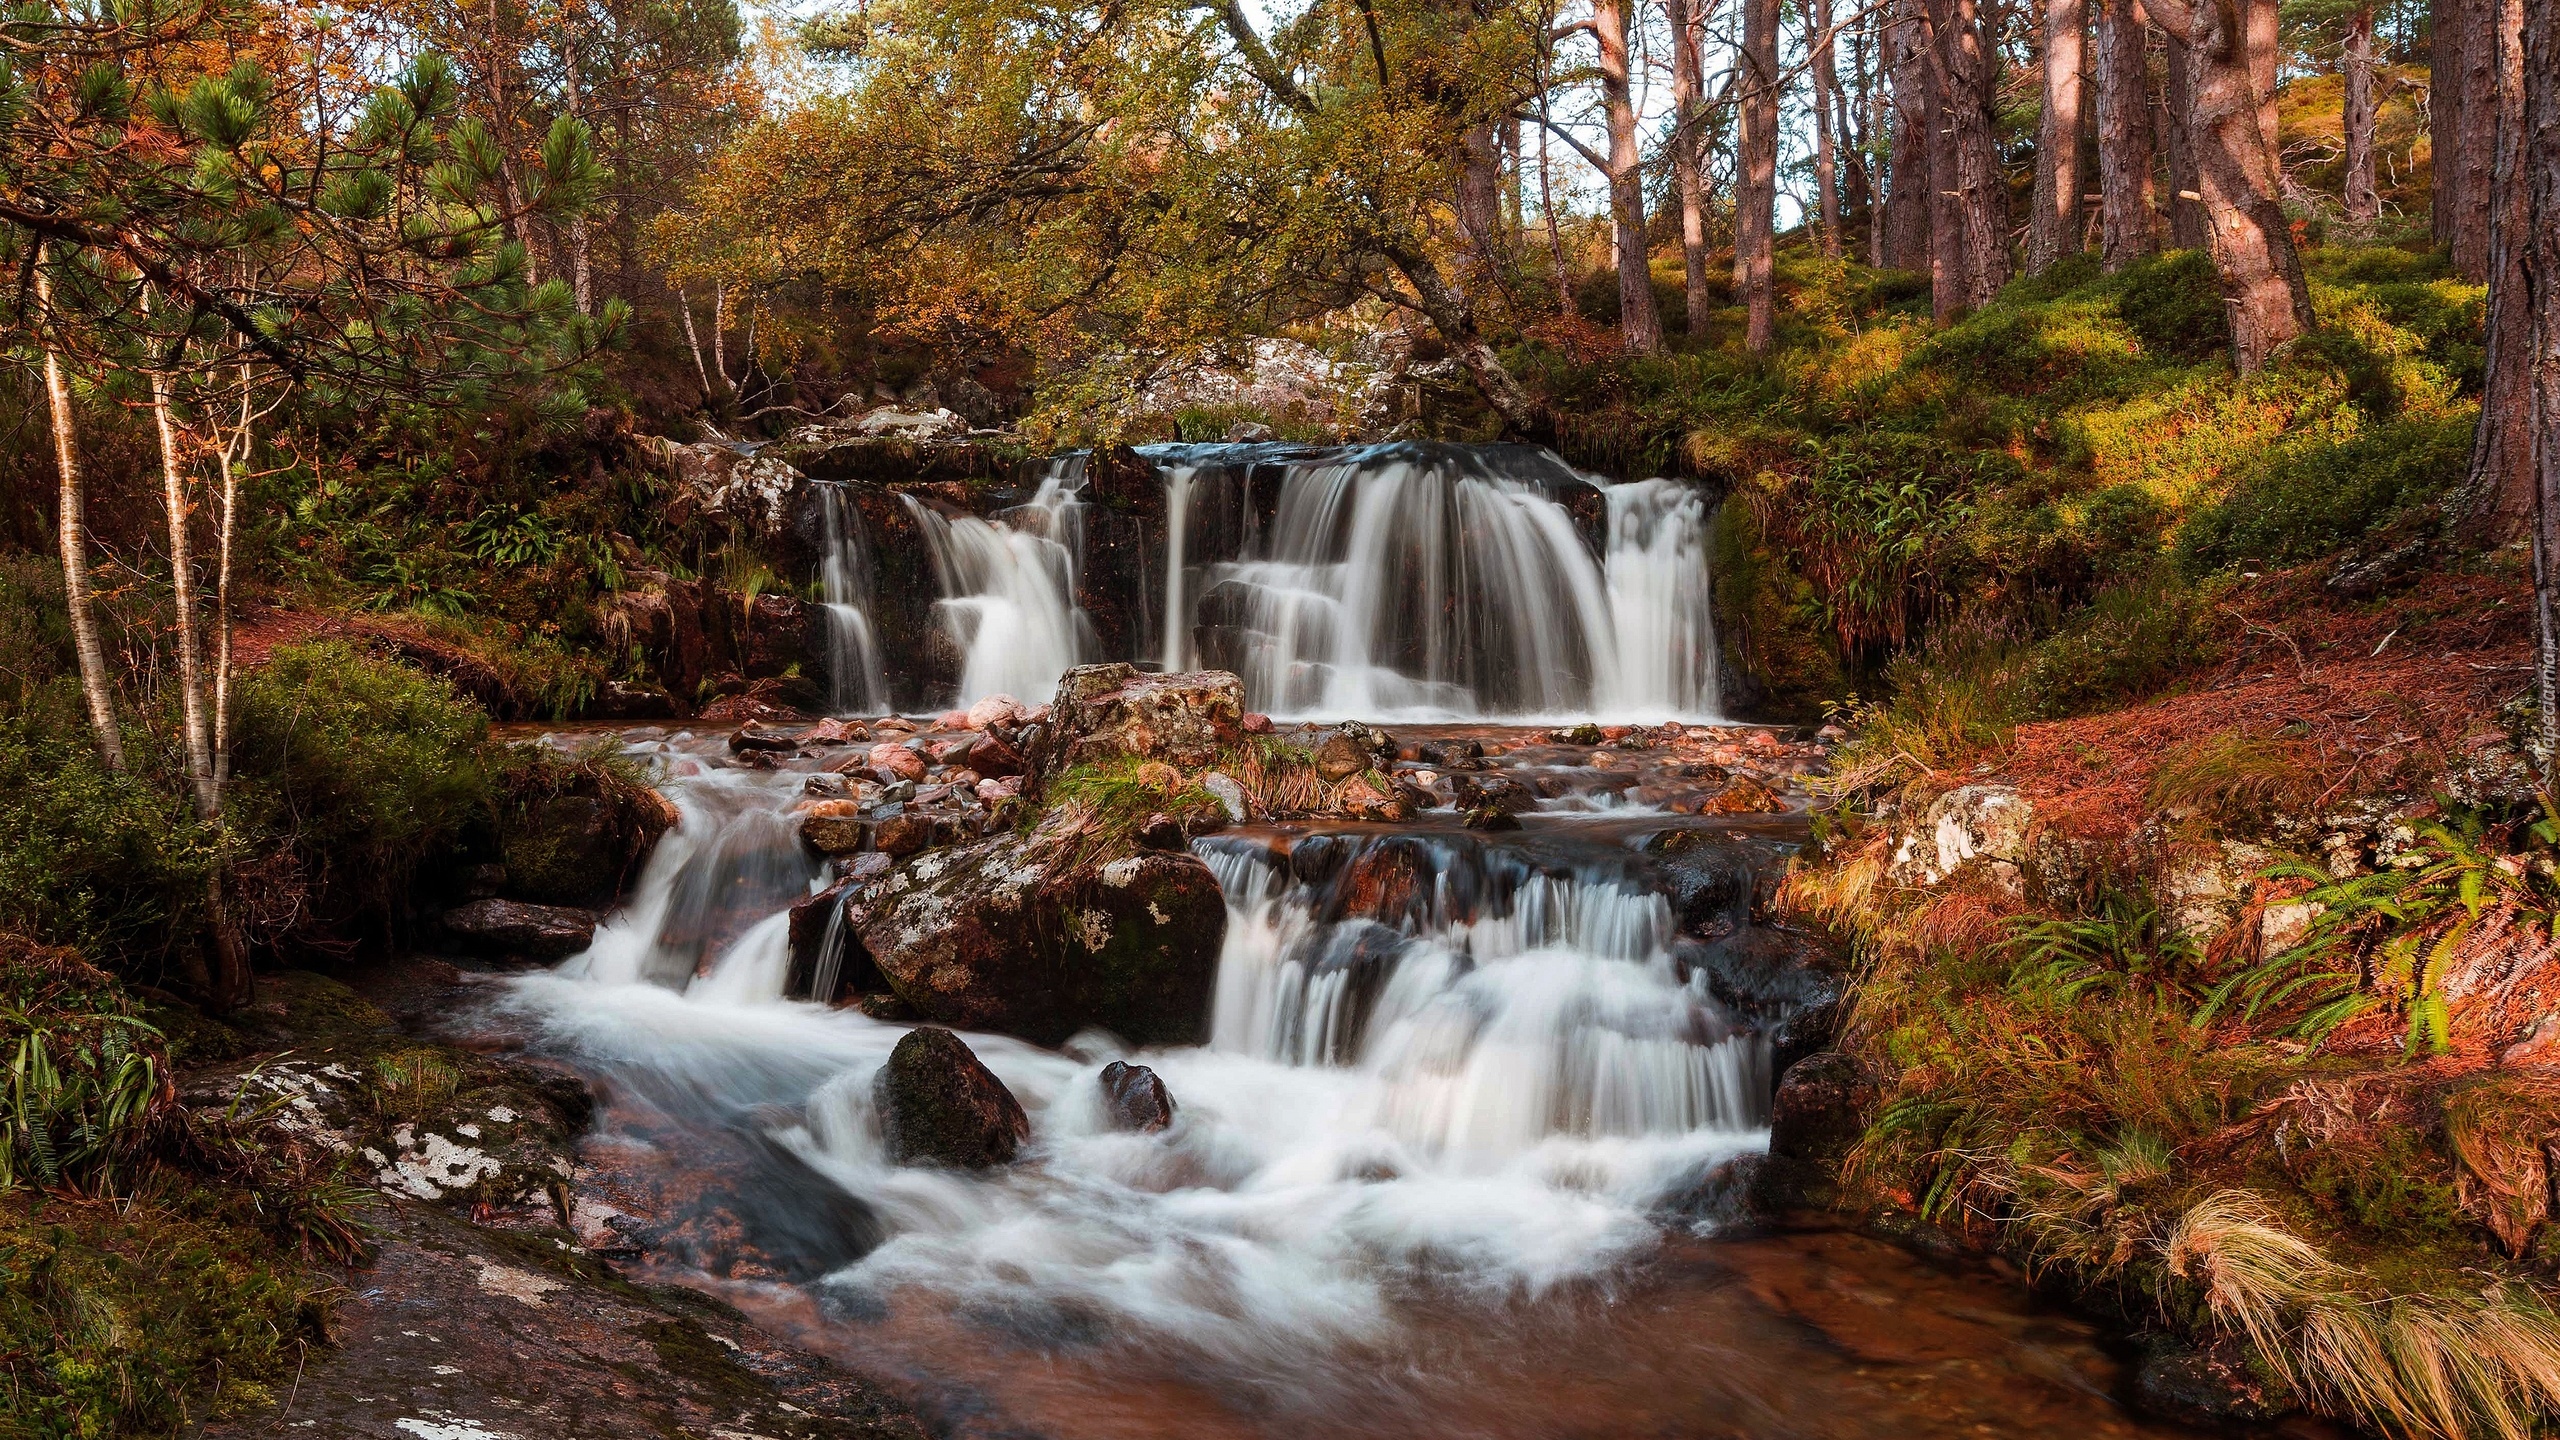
{"points": [[1872, 87], [1911, 201], [2058, 230], [2127, 230], [2177, 142], [1824, 72], [2363, 202], [1547, 214], [684, 307], [1511, 197], [1479, 208], [2498, 495], [73, 521], [1452, 313], [2236, 173], [195, 723], [719, 335], [1755, 188], [581, 283], [1688, 143], [1964, 161], [2538, 270], [1640, 326]]}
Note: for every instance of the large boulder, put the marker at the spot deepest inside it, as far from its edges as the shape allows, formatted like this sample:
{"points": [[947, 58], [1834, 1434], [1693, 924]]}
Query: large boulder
{"points": [[1045, 933], [1108, 712], [1974, 825], [940, 1105], [514, 930]]}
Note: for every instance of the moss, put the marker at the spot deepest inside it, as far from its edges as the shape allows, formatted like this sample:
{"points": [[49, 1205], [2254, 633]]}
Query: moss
{"points": [[2317, 497], [2174, 304], [573, 829]]}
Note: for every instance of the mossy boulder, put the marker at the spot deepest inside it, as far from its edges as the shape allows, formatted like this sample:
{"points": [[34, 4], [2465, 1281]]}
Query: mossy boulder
{"points": [[1046, 932], [574, 830], [940, 1105]]}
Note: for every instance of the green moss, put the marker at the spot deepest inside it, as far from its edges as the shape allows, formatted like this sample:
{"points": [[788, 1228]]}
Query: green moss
{"points": [[2320, 496], [2174, 304]]}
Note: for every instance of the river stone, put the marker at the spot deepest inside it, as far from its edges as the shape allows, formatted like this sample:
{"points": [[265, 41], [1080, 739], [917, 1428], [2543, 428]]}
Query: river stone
{"points": [[940, 1105], [1819, 1111], [896, 762], [513, 928], [833, 827], [1229, 792], [1135, 1098], [1340, 757], [1044, 933], [1108, 712], [901, 833]]}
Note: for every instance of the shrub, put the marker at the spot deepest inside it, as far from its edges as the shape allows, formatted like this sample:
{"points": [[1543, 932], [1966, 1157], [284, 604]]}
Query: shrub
{"points": [[2128, 644], [113, 864], [361, 766], [2174, 304], [2316, 498], [1872, 520]]}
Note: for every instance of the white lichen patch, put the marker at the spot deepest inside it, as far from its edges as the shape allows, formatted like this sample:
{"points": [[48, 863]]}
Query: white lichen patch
{"points": [[446, 1427], [521, 1285], [1120, 874], [502, 1115], [1092, 929], [427, 1171], [467, 1130], [1156, 913]]}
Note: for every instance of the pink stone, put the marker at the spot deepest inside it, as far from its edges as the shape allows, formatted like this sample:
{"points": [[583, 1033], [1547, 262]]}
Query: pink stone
{"points": [[992, 710], [897, 761]]}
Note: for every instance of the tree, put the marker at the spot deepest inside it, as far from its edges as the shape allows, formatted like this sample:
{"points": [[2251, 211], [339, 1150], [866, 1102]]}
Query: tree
{"points": [[1969, 219], [2056, 229], [1822, 42], [2236, 178], [2126, 227], [1688, 149], [1911, 200], [1638, 321], [1755, 180], [2360, 114], [2536, 270], [2497, 497]]}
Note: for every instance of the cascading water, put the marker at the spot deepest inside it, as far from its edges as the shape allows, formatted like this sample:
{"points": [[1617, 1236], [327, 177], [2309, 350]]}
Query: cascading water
{"points": [[1412, 580], [1009, 588], [855, 682]]}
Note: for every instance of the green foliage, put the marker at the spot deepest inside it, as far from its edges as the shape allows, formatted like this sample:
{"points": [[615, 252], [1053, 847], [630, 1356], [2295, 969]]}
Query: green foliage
{"points": [[2317, 497], [2390, 1185], [2174, 304], [1873, 520], [362, 766], [2124, 948], [114, 864]]}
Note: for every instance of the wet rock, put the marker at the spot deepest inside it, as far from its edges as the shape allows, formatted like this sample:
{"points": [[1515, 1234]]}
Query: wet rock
{"points": [[2212, 1387], [515, 929], [833, 827], [1229, 792], [940, 1105], [579, 845], [1042, 934], [1820, 1109], [1492, 792], [1135, 1098], [1358, 799], [815, 926], [1257, 723], [832, 731], [892, 761], [1340, 757], [1706, 877], [634, 700], [1489, 817], [994, 755], [1160, 831], [1105, 712], [991, 711], [1744, 796], [900, 833]]}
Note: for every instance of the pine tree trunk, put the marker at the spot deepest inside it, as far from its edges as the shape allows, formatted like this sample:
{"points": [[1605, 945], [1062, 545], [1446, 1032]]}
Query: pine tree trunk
{"points": [[2177, 142], [95, 686], [1911, 200], [2538, 270], [2057, 230], [2497, 501], [1826, 162], [195, 722], [1971, 220], [1688, 143], [2236, 175], [1755, 188], [2363, 202], [2266, 58], [2127, 229], [2464, 127], [1638, 323]]}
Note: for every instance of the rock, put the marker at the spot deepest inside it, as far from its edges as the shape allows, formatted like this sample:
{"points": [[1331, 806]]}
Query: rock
{"points": [[933, 424], [901, 832], [2213, 1388], [940, 1105], [833, 827], [749, 738], [1706, 877], [994, 755], [1492, 791], [996, 792], [1360, 800], [1257, 723], [1583, 734], [893, 761], [813, 922], [1158, 776], [579, 845], [832, 731], [1488, 817], [1041, 934], [1160, 831], [993, 710], [1987, 824], [634, 700], [1106, 712], [2285, 924], [1340, 757], [2203, 886], [1229, 792], [1820, 1109], [1135, 1098], [512, 928], [1745, 796]]}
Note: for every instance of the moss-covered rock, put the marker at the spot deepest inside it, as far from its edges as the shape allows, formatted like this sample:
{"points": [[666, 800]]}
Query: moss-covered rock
{"points": [[940, 1105]]}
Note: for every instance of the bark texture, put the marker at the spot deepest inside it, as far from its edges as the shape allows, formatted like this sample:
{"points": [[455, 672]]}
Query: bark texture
{"points": [[2057, 230], [1688, 144], [73, 528], [1971, 218], [2538, 271], [2127, 229], [1755, 190], [1824, 72], [1638, 324], [2497, 500], [1908, 203], [2363, 201], [2463, 120]]}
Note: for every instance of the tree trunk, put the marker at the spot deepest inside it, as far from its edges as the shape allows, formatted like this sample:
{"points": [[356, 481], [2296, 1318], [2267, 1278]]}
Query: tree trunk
{"points": [[2464, 124], [2236, 175], [1637, 322], [2538, 270], [2497, 497], [1479, 207], [1910, 201], [1547, 213], [2363, 202], [1826, 83], [2058, 231], [2127, 230], [2266, 57], [1972, 217], [73, 522], [1755, 185], [1879, 132], [1688, 142], [2177, 107], [195, 724], [1452, 313], [580, 281], [1857, 192]]}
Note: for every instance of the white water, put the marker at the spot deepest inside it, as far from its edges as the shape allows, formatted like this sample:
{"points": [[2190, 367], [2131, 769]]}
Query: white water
{"points": [[1428, 582], [1009, 589], [1527, 1080], [855, 684]]}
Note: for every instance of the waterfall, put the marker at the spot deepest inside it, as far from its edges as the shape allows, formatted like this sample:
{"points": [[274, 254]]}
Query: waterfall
{"points": [[855, 682], [1455, 581], [1009, 588]]}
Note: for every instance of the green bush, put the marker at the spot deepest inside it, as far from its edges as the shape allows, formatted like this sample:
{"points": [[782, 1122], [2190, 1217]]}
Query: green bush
{"points": [[2174, 304], [361, 765], [110, 864], [2317, 498], [2123, 647]]}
